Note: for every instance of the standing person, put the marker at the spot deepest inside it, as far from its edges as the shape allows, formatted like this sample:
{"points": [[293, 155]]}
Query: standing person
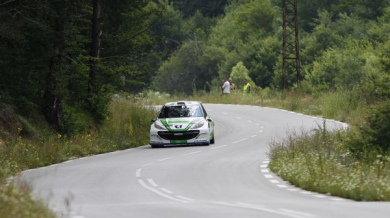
{"points": [[232, 85], [226, 87], [247, 86]]}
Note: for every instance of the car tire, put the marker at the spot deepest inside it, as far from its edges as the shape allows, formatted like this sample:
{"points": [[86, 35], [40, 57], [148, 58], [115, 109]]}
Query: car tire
{"points": [[157, 146], [212, 141]]}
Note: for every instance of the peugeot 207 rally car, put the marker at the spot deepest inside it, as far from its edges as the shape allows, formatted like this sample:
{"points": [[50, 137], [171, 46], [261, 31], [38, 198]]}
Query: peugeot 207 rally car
{"points": [[182, 123]]}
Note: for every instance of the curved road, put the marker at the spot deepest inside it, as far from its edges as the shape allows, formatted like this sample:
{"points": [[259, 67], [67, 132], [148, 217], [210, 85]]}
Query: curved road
{"points": [[229, 179]]}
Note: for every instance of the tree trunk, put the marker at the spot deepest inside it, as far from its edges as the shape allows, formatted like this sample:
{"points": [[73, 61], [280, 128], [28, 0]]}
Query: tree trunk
{"points": [[52, 97], [95, 48]]}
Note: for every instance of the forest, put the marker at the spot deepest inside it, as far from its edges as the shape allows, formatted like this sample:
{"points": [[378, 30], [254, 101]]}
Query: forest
{"points": [[64, 59], [66, 64]]}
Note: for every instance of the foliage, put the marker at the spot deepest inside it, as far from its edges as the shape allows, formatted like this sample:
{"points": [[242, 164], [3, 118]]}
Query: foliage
{"points": [[318, 161], [128, 126]]}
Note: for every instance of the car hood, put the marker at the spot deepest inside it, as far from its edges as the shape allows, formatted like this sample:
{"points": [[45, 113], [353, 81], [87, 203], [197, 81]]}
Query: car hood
{"points": [[179, 124]]}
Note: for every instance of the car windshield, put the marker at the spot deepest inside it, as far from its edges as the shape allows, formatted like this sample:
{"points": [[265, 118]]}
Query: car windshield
{"points": [[181, 111]]}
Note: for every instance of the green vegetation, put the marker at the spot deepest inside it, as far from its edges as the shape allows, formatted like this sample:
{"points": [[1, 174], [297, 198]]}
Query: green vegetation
{"points": [[61, 62], [126, 127], [321, 161]]}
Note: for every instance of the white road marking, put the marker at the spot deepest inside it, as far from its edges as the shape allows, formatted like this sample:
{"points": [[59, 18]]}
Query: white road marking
{"points": [[253, 136], [264, 170], [218, 147], [320, 196], [160, 193], [337, 199], [293, 189], [240, 141], [164, 159], [145, 165], [282, 186], [297, 212], [262, 127], [166, 190], [264, 165], [138, 173], [184, 198], [268, 176], [274, 181], [261, 131], [238, 117], [265, 162], [262, 208], [305, 192], [192, 153], [225, 113], [250, 121], [152, 182]]}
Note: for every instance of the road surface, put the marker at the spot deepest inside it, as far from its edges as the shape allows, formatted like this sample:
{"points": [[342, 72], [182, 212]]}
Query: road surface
{"points": [[229, 179]]}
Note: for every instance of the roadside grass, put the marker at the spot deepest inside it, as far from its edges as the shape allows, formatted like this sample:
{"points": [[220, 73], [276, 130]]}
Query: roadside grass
{"points": [[127, 127], [320, 161], [333, 105]]}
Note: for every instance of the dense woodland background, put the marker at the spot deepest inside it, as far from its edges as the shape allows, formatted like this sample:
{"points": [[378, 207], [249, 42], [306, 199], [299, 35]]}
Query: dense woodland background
{"points": [[63, 59]]}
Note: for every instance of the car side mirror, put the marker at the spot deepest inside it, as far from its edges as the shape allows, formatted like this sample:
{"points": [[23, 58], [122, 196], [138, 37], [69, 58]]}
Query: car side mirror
{"points": [[209, 119]]}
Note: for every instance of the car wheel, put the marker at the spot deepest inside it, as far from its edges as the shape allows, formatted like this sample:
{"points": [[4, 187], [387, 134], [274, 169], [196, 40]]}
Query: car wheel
{"points": [[157, 146], [212, 141]]}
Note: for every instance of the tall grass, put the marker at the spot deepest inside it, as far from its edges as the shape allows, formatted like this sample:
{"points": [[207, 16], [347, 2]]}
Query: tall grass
{"points": [[334, 105], [319, 161], [128, 126]]}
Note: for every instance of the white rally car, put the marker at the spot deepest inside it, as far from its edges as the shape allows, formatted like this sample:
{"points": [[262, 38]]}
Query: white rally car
{"points": [[182, 123]]}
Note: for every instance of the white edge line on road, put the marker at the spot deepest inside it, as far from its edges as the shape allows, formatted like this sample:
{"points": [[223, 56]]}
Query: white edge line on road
{"points": [[320, 196], [166, 190], [264, 170], [268, 176], [293, 189], [159, 193], [138, 173], [274, 181], [296, 212], [261, 131], [264, 165], [218, 147], [145, 165], [282, 186], [164, 159], [192, 153], [152, 182], [253, 136], [240, 141], [184, 198], [305, 192], [262, 208], [265, 162]]}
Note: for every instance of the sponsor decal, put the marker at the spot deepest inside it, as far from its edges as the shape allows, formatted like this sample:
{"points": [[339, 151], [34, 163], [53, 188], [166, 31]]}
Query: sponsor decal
{"points": [[178, 141]]}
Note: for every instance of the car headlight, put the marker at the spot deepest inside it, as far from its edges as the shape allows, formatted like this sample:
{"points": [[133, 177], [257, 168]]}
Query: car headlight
{"points": [[159, 125], [198, 124]]}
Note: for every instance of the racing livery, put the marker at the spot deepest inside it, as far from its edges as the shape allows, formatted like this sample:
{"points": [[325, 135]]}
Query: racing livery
{"points": [[182, 123]]}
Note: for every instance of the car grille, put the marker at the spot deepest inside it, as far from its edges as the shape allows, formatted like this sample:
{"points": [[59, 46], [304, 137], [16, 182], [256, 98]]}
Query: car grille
{"points": [[179, 135]]}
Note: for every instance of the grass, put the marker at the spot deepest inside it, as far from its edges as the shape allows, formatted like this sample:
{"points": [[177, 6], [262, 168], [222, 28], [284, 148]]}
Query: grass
{"points": [[333, 105], [127, 127], [320, 161]]}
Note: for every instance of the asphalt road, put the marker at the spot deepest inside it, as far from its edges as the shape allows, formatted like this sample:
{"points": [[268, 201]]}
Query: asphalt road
{"points": [[229, 179]]}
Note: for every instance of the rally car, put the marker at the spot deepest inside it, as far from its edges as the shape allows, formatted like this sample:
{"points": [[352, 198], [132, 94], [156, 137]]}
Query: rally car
{"points": [[182, 123]]}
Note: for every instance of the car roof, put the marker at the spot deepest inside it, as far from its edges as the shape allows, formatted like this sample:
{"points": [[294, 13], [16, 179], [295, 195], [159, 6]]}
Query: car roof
{"points": [[188, 103]]}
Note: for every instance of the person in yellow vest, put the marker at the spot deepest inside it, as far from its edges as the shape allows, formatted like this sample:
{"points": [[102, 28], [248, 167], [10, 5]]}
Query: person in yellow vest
{"points": [[247, 86]]}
